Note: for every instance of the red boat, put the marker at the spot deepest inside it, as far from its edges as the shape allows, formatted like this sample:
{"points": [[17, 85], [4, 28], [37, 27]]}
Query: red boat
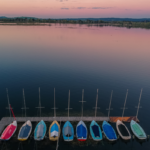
{"points": [[10, 129]]}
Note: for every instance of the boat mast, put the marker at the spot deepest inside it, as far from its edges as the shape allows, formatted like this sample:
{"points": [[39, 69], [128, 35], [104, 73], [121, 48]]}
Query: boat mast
{"points": [[110, 104], [8, 102], [139, 103], [82, 101], [68, 104], [96, 104], [124, 104], [54, 105], [39, 102], [24, 102], [25, 108]]}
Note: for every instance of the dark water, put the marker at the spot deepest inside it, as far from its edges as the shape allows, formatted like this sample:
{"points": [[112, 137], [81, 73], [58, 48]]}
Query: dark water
{"points": [[75, 57]]}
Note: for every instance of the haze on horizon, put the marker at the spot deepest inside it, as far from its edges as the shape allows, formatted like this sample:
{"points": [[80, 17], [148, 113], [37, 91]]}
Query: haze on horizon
{"points": [[76, 8]]}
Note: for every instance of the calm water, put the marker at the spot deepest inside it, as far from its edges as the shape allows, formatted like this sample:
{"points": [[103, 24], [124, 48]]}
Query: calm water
{"points": [[75, 57]]}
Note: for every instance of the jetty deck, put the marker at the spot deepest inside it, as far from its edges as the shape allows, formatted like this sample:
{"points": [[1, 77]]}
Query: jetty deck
{"points": [[7, 120]]}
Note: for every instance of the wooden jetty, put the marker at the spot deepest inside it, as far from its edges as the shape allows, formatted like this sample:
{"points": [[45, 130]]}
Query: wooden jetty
{"points": [[7, 120]]}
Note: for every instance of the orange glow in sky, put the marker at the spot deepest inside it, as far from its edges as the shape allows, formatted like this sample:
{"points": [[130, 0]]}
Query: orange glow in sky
{"points": [[75, 8]]}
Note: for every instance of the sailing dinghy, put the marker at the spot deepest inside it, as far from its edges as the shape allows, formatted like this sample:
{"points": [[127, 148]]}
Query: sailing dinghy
{"points": [[10, 129], [68, 131], [95, 131], [123, 130], [54, 131], [109, 131], [81, 131], [40, 131], [137, 130], [25, 131]]}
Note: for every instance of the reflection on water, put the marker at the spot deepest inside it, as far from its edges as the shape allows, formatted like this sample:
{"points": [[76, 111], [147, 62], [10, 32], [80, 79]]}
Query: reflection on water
{"points": [[75, 57]]}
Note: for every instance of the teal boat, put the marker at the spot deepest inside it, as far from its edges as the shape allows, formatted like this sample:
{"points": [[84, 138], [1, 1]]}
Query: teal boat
{"points": [[40, 131], [68, 131], [95, 131], [137, 130]]}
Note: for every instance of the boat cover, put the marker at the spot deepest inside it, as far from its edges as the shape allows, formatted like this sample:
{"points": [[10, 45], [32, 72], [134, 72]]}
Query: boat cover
{"points": [[54, 130], [67, 131], [40, 130], [137, 130], [81, 131], [96, 130], [123, 130], [25, 131], [109, 131], [8, 132]]}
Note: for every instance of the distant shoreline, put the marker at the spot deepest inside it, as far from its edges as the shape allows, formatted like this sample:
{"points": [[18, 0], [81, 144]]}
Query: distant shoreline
{"points": [[144, 25]]}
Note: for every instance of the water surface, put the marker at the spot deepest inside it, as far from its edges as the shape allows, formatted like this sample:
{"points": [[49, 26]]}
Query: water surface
{"points": [[76, 57]]}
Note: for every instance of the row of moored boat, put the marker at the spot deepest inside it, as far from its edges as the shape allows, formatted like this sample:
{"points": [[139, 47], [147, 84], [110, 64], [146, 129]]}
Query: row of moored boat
{"points": [[68, 131]]}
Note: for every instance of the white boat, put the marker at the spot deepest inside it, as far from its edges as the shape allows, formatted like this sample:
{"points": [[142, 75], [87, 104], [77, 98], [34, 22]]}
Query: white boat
{"points": [[123, 130]]}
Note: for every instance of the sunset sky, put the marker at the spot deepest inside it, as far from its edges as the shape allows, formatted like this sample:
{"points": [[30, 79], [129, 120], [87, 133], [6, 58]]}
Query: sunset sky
{"points": [[75, 8]]}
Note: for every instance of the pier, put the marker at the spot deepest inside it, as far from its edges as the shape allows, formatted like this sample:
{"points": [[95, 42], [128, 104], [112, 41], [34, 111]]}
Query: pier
{"points": [[7, 120]]}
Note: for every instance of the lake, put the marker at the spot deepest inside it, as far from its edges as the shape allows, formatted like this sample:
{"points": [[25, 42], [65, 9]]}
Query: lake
{"points": [[75, 57]]}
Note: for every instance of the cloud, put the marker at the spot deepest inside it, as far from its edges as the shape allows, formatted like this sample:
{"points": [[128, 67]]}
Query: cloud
{"points": [[65, 8], [101, 7], [61, 0], [81, 7]]}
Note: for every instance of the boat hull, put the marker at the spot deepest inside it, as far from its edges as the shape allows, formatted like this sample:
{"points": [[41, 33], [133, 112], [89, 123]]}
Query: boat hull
{"points": [[68, 139], [40, 137], [9, 131], [81, 131], [123, 130], [107, 127], [25, 131], [52, 138], [81, 140], [98, 129], [138, 130]]}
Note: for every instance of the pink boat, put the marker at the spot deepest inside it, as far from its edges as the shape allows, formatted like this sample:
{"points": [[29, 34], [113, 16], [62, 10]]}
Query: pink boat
{"points": [[10, 129]]}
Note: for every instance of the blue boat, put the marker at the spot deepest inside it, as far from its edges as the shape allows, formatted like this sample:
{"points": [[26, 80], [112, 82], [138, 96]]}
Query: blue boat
{"points": [[25, 131], [95, 131], [54, 131], [81, 131], [68, 131], [40, 131], [109, 131]]}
